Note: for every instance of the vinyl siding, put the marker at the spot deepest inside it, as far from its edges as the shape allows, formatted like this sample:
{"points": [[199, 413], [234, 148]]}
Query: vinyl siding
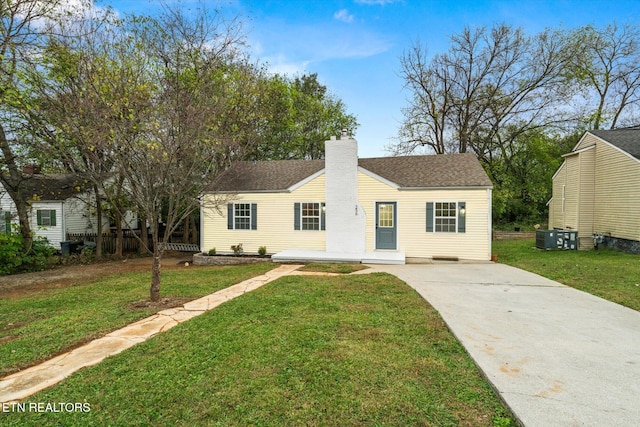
{"points": [[602, 192], [275, 220], [276, 225], [413, 239], [55, 234], [586, 198], [78, 218], [556, 214], [571, 194], [617, 193]]}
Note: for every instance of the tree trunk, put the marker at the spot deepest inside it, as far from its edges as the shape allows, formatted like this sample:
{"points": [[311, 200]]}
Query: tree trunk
{"points": [[99, 221], [194, 230], [25, 225], [155, 274], [154, 293], [11, 183], [143, 249], [185, 229], [119, 234]]}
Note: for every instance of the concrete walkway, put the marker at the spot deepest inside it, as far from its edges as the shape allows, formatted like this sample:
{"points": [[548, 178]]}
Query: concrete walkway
{"points": [[29, 381], [557, 356]]}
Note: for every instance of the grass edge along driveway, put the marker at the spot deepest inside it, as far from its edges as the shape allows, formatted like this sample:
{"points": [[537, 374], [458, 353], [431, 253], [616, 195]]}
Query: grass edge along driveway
{"points": [[606, 273], [345, 350]]}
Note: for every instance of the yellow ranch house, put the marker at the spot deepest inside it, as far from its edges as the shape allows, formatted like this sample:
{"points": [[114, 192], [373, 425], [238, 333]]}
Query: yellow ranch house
{"points": [[372, 210]]}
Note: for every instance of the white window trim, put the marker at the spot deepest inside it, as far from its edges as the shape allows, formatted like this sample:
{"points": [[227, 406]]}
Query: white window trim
{"points": [[235, 216], [302, 216], [436, 217]]}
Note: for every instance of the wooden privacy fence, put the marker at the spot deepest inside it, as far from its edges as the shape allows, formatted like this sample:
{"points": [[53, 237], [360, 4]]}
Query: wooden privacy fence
{"points": [[513, 235], [130, 242]]}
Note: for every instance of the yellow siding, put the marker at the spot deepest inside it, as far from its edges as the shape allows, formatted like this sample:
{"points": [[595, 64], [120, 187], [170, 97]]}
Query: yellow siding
{"points": [[586, 198], [413, 238], [617, 207], [556, 208], [275, 221], [571, 193]]}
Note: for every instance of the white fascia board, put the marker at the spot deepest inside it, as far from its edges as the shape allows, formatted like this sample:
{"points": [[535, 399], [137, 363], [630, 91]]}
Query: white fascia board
{"points": [[582, 150], [558, 171], [580, 140], [469, 187], [378, 178], [247, 192], [303, 182]]}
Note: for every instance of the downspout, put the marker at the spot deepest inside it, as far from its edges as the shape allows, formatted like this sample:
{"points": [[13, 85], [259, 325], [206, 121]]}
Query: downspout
{"points": [[201, 237], [63, 223], [490, 220]]}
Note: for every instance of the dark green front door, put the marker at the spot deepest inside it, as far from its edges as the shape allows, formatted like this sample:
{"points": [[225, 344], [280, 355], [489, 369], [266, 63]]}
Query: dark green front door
{"points": [[386, 225]]}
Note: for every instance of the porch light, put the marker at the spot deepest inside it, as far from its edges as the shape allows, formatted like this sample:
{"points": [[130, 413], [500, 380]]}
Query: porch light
{"points": [[463, 211]]}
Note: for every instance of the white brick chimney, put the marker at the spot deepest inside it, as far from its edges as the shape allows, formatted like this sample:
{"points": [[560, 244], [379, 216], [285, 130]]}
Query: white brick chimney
{"points": [[345, 218]]}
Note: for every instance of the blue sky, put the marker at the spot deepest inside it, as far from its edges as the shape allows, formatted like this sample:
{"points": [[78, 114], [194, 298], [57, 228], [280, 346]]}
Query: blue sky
{"points": [[355, 46]]}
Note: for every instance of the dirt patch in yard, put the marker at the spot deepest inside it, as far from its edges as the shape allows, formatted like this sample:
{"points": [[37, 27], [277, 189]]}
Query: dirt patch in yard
{"points": [[17, 285], [163, 304]]}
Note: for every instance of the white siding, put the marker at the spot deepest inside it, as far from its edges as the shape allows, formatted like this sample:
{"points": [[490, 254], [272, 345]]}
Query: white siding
{"points": [[55, 234]]}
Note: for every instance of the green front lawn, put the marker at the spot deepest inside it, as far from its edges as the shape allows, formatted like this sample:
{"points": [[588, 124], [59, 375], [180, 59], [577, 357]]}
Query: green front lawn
{"points": [[606, 273], [36, 326], [348, 350]]}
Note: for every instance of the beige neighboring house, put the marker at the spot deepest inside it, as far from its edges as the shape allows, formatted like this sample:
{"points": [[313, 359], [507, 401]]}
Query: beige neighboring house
{"points": [[597, 189], [375, 210]]}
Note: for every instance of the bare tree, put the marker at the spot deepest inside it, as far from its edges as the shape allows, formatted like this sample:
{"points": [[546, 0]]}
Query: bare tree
{"points": [[465, 98], [607, 65]]}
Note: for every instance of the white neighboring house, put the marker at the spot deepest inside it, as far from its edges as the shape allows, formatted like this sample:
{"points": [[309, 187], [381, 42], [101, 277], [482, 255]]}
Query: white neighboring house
{"points": [[60, 204]]}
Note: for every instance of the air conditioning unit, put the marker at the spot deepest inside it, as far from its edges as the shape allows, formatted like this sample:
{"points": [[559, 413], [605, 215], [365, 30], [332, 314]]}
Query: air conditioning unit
{"points": [[557, 239], [546, 239]]}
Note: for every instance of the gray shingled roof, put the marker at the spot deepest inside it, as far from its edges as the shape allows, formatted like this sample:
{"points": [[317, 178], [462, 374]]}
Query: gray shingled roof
{"points": [[444, 170], [627, 140], [436, 171], [53, 187]]}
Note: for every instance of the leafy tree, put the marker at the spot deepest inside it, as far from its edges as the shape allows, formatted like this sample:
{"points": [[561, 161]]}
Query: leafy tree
{"points": [[523, 175], [24, 27], [301, 114]]}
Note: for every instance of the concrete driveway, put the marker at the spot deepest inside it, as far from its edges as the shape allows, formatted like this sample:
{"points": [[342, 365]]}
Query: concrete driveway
{"points": [[557, 356]]}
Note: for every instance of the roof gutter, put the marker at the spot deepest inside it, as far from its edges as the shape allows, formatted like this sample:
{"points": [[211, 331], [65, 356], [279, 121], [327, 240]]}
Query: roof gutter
{"points": [[465, 187]]}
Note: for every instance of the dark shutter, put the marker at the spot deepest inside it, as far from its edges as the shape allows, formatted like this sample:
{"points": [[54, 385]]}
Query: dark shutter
{"points": [[7, 222], [323, 223], [254, 216], [230, 216], [429, 217], [52, 217], [39, 217], [462, 218], [296, 216]]}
